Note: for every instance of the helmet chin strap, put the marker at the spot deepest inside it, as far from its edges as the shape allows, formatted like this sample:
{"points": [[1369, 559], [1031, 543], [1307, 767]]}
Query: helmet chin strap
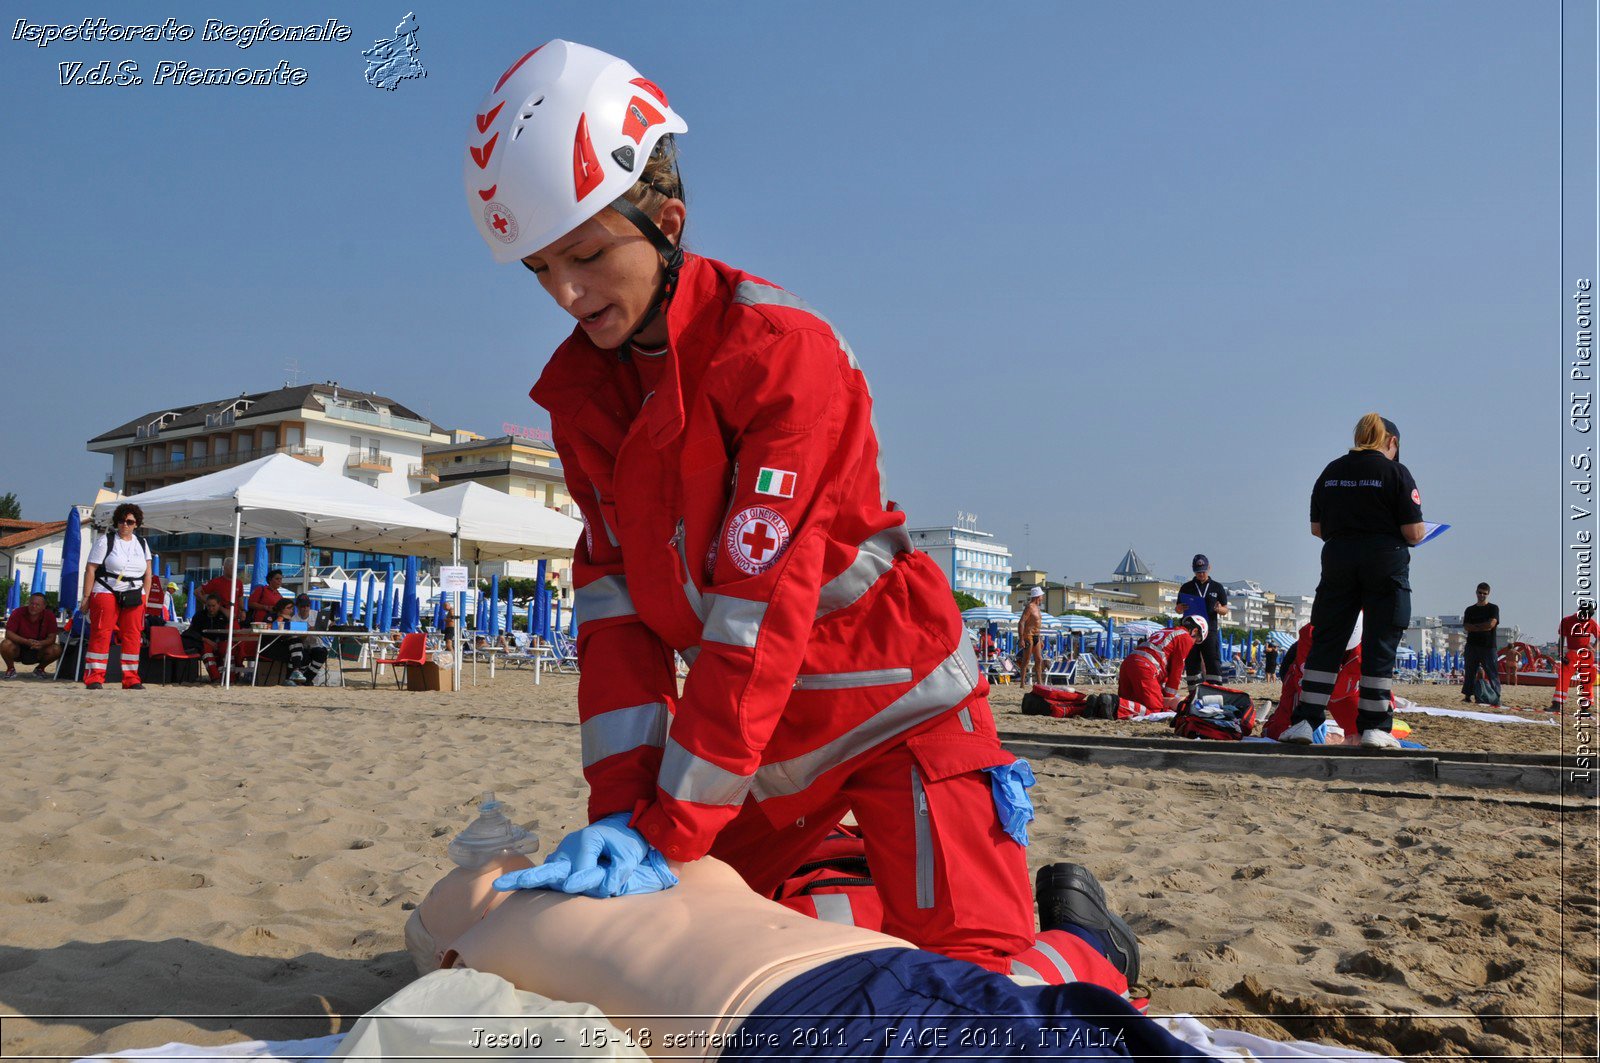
{"points": [[669, 251]]}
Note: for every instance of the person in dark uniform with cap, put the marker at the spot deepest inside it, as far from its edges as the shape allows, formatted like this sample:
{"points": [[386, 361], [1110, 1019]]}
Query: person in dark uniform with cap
{"points": [[1207, 653], [1366, 509]]}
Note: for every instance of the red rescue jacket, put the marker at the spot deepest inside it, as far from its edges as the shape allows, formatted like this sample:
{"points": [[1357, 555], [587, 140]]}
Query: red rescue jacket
{"points": [[1165, 651], [735, 515], [1578, 633]]}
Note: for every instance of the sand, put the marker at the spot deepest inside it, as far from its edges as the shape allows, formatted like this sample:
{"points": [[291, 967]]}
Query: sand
{"points": [[209, 866]]}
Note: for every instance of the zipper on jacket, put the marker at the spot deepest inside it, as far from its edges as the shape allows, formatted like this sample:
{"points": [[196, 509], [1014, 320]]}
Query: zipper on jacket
{"points": [[727, 514], [690, 590], [876, 677], [924, 841]]}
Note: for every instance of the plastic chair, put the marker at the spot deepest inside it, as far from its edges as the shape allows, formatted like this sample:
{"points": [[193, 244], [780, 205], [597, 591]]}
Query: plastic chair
{"points": [[167, 643], [413, 650]]}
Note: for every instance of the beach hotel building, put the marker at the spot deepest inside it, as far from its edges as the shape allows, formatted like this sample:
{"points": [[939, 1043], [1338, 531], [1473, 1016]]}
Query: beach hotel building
{"points": [[522, 462], [974, 563], [367, 437]]}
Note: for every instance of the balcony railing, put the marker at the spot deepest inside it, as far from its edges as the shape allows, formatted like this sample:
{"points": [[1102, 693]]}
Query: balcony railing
{"points": [[208, 462], [340, 412], [370, 460], [422, 472]]}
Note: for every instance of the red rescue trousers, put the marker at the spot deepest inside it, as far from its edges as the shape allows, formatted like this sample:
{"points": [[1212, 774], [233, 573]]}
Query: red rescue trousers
{"points": [[1579, 665], [105, 617], [1139, 687], [950, 878]]}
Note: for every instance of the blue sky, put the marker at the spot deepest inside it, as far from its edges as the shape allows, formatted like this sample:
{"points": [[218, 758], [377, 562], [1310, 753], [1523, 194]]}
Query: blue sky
{"points": [[1124, 274]]}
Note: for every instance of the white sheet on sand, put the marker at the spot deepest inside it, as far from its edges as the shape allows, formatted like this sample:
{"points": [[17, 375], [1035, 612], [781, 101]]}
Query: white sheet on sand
{"points": [[1404, 707]]}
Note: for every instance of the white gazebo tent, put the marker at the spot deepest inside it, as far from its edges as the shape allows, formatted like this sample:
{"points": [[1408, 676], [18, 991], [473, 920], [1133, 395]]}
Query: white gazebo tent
{"points": [[285, 498], [495, 526]]}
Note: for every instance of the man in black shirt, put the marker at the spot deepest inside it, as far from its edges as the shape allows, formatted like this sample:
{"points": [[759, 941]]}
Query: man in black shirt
{"points": [[1203, 589], [1479, 622]]}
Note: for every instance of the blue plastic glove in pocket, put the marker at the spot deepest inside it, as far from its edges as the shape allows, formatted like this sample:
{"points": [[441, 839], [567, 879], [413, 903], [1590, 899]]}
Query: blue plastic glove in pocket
{"points": [[600, 860], [1009, 783]]}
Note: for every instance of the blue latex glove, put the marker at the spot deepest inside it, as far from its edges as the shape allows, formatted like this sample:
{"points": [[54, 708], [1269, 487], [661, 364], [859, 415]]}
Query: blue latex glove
{"points": [[607, 858], [1009, 783]]}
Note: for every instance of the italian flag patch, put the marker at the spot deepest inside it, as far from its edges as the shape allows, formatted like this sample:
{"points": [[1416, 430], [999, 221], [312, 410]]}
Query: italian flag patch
{"points": [[776, 482]]}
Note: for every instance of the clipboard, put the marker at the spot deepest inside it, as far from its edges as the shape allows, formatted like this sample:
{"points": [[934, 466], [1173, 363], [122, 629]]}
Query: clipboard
{"points": [[1432, 531]]}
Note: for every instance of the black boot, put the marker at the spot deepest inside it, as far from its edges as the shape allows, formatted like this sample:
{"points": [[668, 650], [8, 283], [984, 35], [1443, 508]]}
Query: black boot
{"points": [[1069, 893]]}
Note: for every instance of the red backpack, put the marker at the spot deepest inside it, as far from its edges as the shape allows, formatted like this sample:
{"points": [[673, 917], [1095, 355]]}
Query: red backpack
{"points": [[1199, 717], [835, 884]]}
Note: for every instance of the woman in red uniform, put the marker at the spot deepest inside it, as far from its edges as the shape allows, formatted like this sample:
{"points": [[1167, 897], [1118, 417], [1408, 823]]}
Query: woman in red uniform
{"points": [[116, 584], [717, 434], [1148, 680]]}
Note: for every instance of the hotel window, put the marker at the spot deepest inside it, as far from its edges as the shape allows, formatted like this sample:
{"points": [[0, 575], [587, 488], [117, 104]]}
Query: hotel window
{"points": [[269, 438], [198, 448], [292, 435]]}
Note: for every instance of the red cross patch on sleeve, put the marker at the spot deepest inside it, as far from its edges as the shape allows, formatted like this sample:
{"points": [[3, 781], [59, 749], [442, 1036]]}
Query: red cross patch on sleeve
{"points": [[756, 538], [1416, 496]]}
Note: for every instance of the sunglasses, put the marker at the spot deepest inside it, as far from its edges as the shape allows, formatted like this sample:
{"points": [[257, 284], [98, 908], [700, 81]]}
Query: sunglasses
{"points": [[130, 520]]}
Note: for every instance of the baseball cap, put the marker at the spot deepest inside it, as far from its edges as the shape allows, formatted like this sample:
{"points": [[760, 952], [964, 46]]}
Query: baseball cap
{"points": [[1200, 563], [302, 599], [1037, 592], [1388, 426]]}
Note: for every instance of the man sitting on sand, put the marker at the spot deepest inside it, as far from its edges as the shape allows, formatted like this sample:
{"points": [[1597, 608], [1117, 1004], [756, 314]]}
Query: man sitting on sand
{"points": [[709, 966], [30, 637]]}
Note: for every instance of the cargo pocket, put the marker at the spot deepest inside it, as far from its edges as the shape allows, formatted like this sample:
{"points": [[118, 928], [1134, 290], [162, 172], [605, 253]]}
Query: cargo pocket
{"points": [[952, 804], [1402, 603]]}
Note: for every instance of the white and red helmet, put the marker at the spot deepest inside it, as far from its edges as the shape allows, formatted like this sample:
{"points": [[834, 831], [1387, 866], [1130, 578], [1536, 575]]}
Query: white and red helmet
{"points": [[1201, 626], [565, 131]]}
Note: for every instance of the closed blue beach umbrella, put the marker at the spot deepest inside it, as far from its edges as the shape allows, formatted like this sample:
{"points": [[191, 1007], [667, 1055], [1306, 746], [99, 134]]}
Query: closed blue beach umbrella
{"points": [[369, 610], [71, 563], [37, 587], [14, 594], [259, 565], [541, 601], [511, 612], [494, 609], [386, 605], [188, 602], [356, 599], [408, 599]]}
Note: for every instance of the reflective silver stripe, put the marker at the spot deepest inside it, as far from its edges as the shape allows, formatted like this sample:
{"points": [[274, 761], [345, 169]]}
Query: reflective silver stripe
{"points": [[1313, 697], [834, 908], [732, 621], [1375, 704], [1051, 953], [689, 655], [1372, 682], [611, 536], [965, 716], [874, 558], [603, 599], [752, 294], [1148, 656], [620, 730], [1310, 676], [924, 841], [1169, 690], [938, 691], [691, 778], [876, 677], [1018, 967]]}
